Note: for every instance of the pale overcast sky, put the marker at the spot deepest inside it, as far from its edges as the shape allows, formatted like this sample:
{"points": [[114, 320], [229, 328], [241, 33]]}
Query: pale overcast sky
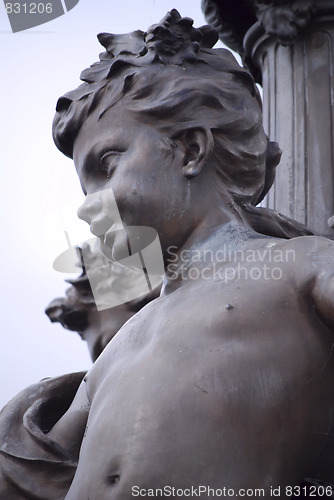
{"points": [[37, 66]]}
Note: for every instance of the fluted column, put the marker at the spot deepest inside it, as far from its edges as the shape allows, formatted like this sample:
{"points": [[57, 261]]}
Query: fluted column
{"points": [[291, 49]]}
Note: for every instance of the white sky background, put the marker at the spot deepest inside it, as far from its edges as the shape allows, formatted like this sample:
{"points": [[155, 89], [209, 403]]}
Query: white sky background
{"points": [[37, 67]]}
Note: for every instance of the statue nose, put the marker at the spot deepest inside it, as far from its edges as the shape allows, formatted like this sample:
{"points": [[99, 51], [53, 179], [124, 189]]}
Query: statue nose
{"points": [[95, 214], [90, 208]]}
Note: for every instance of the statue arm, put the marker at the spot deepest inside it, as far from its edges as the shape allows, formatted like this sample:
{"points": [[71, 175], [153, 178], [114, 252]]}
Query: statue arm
{"points": [[323, 288], [323, 295], [36, 461], [69, 430]]}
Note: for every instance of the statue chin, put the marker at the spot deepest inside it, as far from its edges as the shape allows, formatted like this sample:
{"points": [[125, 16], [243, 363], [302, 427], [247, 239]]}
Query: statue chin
{"points": [[122, 243], [114, 245]]}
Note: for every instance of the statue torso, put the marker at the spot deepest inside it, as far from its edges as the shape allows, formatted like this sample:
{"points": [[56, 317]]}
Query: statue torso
{"points": [[215, 384]]}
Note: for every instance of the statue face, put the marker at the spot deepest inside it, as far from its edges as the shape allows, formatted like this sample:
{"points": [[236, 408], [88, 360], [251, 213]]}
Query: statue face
{"points": [[118, 156]]}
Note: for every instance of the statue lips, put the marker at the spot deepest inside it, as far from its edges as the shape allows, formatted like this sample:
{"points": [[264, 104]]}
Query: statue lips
{"points": [[99, 226]]}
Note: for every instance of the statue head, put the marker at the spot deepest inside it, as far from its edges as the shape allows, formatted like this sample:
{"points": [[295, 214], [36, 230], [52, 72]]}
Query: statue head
{"points": [[171, 77], [171, 80]]}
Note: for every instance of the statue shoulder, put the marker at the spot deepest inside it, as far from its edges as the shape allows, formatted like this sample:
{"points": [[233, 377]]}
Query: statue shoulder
{"points": [[314, 251], [314, 270]]}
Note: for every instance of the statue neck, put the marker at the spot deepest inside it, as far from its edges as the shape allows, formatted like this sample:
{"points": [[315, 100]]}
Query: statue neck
{"points": [[201, 250]]}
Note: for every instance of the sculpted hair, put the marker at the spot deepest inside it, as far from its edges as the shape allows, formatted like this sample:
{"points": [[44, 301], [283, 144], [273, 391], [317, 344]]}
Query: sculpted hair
{"points": [[170, 76]]}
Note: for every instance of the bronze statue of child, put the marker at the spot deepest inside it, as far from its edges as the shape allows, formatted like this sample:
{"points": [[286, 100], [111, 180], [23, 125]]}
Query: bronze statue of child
{"points": [[225, 380]]}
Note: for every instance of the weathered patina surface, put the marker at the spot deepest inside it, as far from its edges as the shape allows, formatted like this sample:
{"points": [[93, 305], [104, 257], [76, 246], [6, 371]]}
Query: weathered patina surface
{"points": [[226, 379]]}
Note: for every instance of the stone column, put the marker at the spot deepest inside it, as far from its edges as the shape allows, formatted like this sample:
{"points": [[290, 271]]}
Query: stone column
{"points": [[290, 49]]}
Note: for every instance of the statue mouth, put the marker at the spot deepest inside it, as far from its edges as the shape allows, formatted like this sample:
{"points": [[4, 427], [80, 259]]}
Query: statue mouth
{"points": [[100, 226]]}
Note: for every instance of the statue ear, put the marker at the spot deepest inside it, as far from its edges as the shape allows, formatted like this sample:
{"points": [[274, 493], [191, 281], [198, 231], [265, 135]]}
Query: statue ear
{"points": [[197, 147]]}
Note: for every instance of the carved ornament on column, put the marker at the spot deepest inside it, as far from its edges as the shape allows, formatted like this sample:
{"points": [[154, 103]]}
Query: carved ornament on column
{"points": [[240, 23], [284, 20]]}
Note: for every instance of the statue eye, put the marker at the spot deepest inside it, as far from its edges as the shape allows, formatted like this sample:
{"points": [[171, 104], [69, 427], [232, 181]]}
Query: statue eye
{"points": [[108, 162]]}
